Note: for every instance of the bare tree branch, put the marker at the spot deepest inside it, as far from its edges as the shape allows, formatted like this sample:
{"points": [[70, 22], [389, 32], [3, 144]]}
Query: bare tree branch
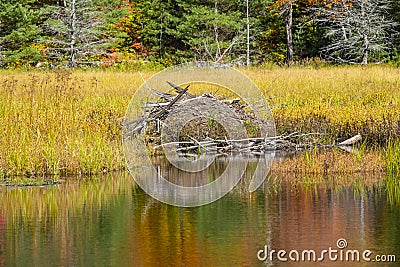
{"points": [[358, 29], [75, 30]]}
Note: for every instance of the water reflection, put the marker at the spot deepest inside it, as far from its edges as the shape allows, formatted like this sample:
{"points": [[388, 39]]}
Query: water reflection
{"points": [[109, 221], [174, 186], [2, 240]]}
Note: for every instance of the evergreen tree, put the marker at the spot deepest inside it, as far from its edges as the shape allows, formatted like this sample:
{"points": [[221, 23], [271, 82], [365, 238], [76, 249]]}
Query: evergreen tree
{"points": [[241, 32], [214, 30], [395, 13], [151, 30], [19, 30]]}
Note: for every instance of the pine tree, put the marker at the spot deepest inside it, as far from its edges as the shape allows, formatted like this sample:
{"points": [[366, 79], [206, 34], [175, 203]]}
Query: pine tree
{"points": [[214, 30], [18, 32]]}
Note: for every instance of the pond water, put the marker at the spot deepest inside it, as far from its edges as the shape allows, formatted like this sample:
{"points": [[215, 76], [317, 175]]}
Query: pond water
{"points": [[110, 221]]}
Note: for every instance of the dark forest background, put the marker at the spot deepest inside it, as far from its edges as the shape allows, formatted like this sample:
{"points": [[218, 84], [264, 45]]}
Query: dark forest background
{"points": [[72, 33]]}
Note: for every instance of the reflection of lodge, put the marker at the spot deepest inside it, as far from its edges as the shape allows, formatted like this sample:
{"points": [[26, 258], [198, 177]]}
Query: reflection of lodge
{"points": [[203, 187], [190, 179], [213, 171]]}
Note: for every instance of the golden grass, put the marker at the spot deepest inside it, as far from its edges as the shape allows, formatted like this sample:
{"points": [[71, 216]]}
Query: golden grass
{"points": [[67, 122], [341, 101], [392, 158], [331, 162], [62, 122]]}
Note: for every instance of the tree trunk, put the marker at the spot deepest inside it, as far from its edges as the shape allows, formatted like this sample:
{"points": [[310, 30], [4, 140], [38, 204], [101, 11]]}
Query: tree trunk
{"points": [[289, 35], [218, 51], [248, 34], [72, 58], [1, 54], [161, 35], [365, 50], [365, 46]]}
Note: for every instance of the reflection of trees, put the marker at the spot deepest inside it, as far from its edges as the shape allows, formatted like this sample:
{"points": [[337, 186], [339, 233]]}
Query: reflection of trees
{"points": [[2, 241], [313, 215], [164, 234], [386, 227], [110, 222], [50, 221]]}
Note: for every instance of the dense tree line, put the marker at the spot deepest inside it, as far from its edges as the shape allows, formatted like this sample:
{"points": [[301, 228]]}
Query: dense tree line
{"points": [[86, 32]]}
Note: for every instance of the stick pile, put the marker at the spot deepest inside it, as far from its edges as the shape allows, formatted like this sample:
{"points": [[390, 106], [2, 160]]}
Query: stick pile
{"points": [[151, 122]]}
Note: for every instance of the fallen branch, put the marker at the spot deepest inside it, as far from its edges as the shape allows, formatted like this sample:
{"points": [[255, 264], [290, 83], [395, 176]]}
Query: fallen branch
{"points": [[351, 141]]}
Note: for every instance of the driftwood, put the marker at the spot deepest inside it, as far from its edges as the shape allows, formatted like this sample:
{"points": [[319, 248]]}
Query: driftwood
{"points": [[351, 141], [347, 145]]}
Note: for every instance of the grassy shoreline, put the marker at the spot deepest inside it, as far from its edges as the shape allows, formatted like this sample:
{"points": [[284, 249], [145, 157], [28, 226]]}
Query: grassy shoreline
{"points": [[68, 123]]}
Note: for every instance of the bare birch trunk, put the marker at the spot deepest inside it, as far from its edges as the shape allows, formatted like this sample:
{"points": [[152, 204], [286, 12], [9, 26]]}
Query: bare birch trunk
{"points": [[73, 35]]}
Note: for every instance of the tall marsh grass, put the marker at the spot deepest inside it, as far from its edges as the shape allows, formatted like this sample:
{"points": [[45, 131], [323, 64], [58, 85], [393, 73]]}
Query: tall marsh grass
{"points": [[340, 101], [62, 122], [392, 164], [392, 158], [67, 123]]}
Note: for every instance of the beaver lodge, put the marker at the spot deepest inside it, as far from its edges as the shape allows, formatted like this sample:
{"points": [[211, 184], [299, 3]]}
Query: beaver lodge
{"points": [[192, 124]]}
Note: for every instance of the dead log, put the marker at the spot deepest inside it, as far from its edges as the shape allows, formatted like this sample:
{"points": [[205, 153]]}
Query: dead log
{"points": [[351, 141]]}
